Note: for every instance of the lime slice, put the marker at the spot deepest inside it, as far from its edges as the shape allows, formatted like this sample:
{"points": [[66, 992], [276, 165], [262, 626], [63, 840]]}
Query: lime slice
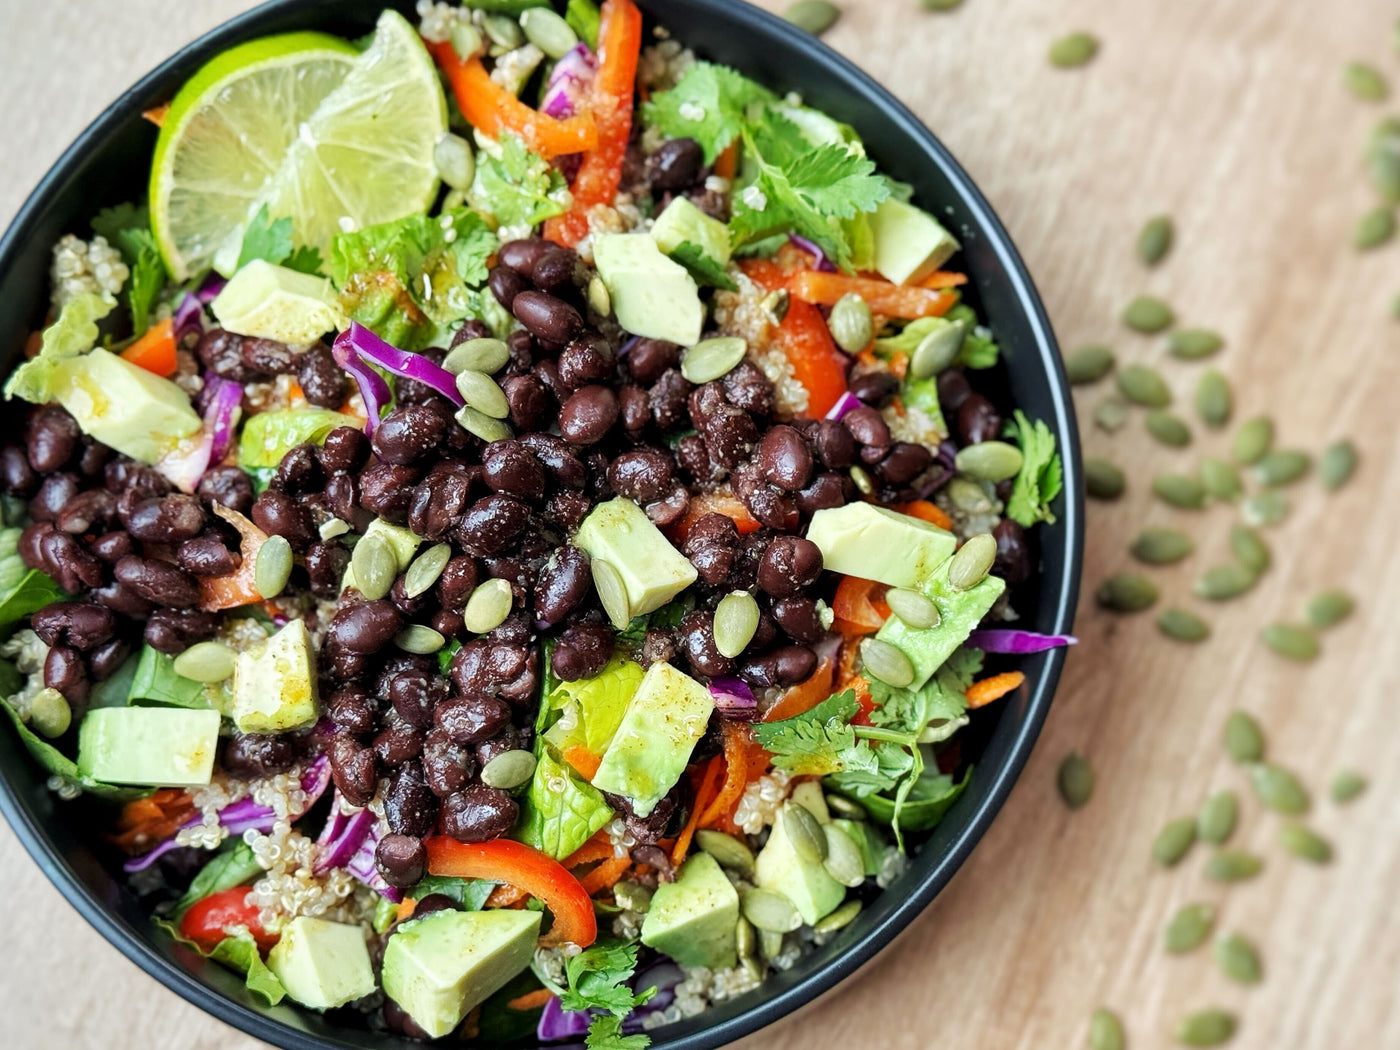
{"points": [[226, 134]]}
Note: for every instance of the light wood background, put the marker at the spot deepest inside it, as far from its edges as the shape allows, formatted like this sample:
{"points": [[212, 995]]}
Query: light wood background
{"points": [[1230, 115]]}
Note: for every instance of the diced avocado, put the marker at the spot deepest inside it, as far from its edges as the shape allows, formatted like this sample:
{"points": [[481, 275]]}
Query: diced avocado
{"points": [[682, 221], [781, 868], [272, 302], [149, 746], [693, 918], [401, 541], [867, 840], [652, 746], [909, 242], [808, 795], [125, 407], [274, 685], [960, 612], [651, 295], [322, 964], [874, 543], [653, 572], [269, 436], [441, 967]]}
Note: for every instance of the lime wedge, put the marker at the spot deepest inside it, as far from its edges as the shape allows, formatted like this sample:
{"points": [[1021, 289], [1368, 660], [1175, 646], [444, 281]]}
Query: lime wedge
{"points": [[226, 134]]}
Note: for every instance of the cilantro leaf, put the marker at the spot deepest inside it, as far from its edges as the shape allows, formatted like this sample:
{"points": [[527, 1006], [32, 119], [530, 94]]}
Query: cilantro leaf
{"points": [[605, 1033], [518, 187], [702, 266], [110, 222], [265, 238], [708, 104], [147, 275], [837, 182], [820, 741], [1040, 479], [305, 259], [598, 979]]}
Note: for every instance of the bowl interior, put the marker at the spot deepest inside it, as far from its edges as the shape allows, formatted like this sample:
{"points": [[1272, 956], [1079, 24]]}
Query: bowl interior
{"points": [[109, 163]]}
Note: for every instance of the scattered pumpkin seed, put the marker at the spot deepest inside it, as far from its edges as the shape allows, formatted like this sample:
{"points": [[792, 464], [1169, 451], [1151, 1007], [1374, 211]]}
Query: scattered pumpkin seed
{"points": [[1292, 640], [913, 608], [1253, 438], [1127, 592], [1171, 430], [466, 40], [969, 495], [1346, 785], [851, 323], [1383, 159], [886, 662], [1075, 780], [1102, 479], [940, 5], [1233, 865], [503, 31], [1244, 740], [50, 714], [548, 31], [1249, 548], [1105, 1030], [1179, 490], [1182, 625], [483, 393], [1174, 841], [1303, 842], [839, 919], [599, 298], [375, 565], [508, 770], [776, 304], [1111, 414], [206, 662], [425, 569], [1148, 315], [736, 620], [1214, 399], [769, 910], [805, 832], [710, 359], [728, 851], [1264, 508], [770, 944], [844, 862], [846, 808], [612, 592], [1215, 823], [1238, 958], [989, 461], [1364, 81], [274, 567], [1155, 239], [972, 562], [478, 423], [1160, 546], [477, 355], [1089, 364], [938, 349], [416, 638], [745, 938], [1144, 386], [1192, 344], [815, 16], [864, 483], [1223, 582], [1188, 928], [1278, 789], [1221, 480], [1329, 608], [1074, 50], [488, 606], [1336, 465], [1374, 228], [1205, 1028]]}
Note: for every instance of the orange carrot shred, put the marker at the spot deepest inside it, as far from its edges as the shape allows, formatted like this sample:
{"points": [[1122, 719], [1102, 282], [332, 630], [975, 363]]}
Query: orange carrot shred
{"points": [[980, 694], [504, 896], [804, 695], [605, 874], [531, 1000], [709, 784], [737, 740], [925, 510], [597, 848], [156, 115], [583, 760], [406, 908], [943, 279], [727, 163]]}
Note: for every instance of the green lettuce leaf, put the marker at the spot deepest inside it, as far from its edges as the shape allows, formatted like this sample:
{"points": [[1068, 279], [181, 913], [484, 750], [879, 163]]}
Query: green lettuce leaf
{"points": [[156, 681], [928, 799], [518, 187], [598, 704], [268, 436], [583, 17], [1041, 476], [72, 334], [239, 952], [561, 810], [708, 104], [232, 866], [471, 894], [31, 594]]}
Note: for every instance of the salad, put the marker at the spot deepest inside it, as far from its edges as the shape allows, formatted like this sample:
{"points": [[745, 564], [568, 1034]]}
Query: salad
{"points": [[507, 535]]}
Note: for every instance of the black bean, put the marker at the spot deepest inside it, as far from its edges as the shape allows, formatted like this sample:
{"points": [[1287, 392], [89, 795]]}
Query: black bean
{"points": [[527, 401], [411, 433], [415, 694], [797, 615], [510, 738], [770, 505], [52, 438], [345, 450], [977, 421], [478, 814], [87, 512], [459, 578], [55, 493], [112, 547], [206, 555], [876, 389], [658, 646], [506, 284], [546, 316], [582, 651], [633, 409], [352, 709], [560, 463], [834, 444], [402, 861], [705, 400], [267, 356], [158, 581], [953, 390], [322, 381], [554, 268], [712, 546], [172, 631], [64, 671], [447, 765], [165, 519], [17, 477], [521, 255], [365, 627], [868, 427], [521, 346], [107, 659], [222, 353], [696, 637], [730, 435], [492, 524], [439, 502], [123, 600], [695, 460], [1013, 560], [670, 508], [789, 564], [251, 756], [92, 458], [642, 474], [566, 510], [509, 466], [122, 475], [341, 665], [31, 543], [279, 513], [397, 744], [746, 386], [300, 470], [386, 489], [227, 486], [469, 719], [587, 359], [353, 768], [785, 458], [905, 462], [786, 665], [588, 415], [448, 623], [676, 165], [70, 563], [669, 396], [826, 490], [564, 584], [649, 358]]}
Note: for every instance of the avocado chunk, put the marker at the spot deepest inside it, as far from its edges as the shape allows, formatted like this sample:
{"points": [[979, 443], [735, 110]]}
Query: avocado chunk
{"points": [[401, 541], [322, 964], [780, 867], [874, 543], [960, 612], [653, 572], [652, 296], [274, 685], [267, 301], [148, 746], [692, 919], [909, 242], [441, 967], [683, 222], [651, 748]]}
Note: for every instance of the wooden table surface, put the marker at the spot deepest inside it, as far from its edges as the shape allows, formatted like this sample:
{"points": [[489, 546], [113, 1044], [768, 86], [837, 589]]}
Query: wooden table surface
{"points": [[1229, 114]]}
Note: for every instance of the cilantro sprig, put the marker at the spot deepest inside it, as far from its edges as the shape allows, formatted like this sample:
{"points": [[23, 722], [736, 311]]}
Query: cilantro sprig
{"points": [[271, 240], [1041, 475], [598, 979], [708, 104]]}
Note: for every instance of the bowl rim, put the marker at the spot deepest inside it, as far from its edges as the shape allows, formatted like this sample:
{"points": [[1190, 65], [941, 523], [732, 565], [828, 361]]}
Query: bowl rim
{"points": [[119, 933]]}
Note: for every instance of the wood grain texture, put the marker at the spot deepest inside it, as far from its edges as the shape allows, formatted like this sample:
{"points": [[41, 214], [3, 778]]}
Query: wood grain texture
{"points": [[1228, 114]]}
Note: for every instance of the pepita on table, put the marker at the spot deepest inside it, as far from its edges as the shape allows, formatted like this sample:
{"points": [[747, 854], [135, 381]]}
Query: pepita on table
{"points": [[1329, 608], [1160, 546], [1278, 789], [1205, 1028], [1192, 344], [1253, 438], [1127, 592], [1179, 490], [1265, 508], [1292, 640], [1244, 739], [1155, 239], [1174, 841], [1182, 625], [1188, 928], [1249, 548], [1111, 414], [1233, 865], [1073, 50], [1305, 843], [1148, 314], [1223, 582], [1102, 479], [1238, 958], [1089, 364], [1168, 428], [1075, 779], [1144, 386], [1337, 464], [1215, 823], [1221, 480], [1214, 399]]}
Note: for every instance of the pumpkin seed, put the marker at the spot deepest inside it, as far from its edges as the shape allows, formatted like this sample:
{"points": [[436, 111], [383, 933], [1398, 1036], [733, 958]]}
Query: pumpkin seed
{"points": [[913, 608], [846, 808], [745, 939], [1088, 364], [1075, 780], [887, 663], [425, 569], [1188, 928], [1148, 315], [1180, 490], [206, 662], [1265, 508], [452, 156], [728, 851], [489, 605], [839, 919], [1144, 386], [1215, 823], [1158, 546], [1244, 740], [1102, 479], [1155, 239], [1127, 592], [1214, 399], [1205, 1028], [1305, 843], [989, 461], [1383, 159], [1174, 841], [1171, 430], [1105, 1030], [776, 304], [1346, 785], [375, 565], [1192, 344], [1182, 625], [612, 593], [815, 16], [940, 5], [1223, 582], [770, 944], [1111, 414], [736, 620], [482, 393], [50, 714], [1336, 464], [508, 770], [331, 528], [416, 638], [710, 359], [1073, 50], [843, 860], [1278, 789], [938, 349], [548, 31], [809, 796], [478, 423], [1253, 438], [851, 324], [599, 298], [1329, 608], [1249, 548], [1221, 480], [1282, 467], [477, 355], [466, 40], [969, 495], [1291, 640], [1238, 958], [1374, 228], [1233, 865], [274, 567], [971, 564], [769, 910], [1364, 81], [503, 31]]}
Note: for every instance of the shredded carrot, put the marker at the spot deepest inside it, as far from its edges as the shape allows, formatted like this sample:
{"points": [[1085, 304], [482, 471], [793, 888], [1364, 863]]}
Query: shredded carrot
{"points": [[980, 694], [804, 695], [146, 822], [155, 350], [709, 784], [597, 848], [943, 279], [899, 364], [727, 163], [239, 586], [583, 760], [33, 344], [157, 115], [605, 874], [925, 510], [406, 907], [505, 896], [738, 738], [891, 300], [294, 391], [531, 1000]]}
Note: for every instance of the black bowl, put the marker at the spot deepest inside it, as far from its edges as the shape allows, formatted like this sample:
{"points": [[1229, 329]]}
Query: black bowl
{"points": [[109, 163]]}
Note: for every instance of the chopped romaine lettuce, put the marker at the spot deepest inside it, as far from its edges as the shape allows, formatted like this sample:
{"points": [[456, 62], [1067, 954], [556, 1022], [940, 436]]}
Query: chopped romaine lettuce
{"points": [[73, 333], [269, 436], [561, 810], [930, 796], [592, 708], [232, 866]]}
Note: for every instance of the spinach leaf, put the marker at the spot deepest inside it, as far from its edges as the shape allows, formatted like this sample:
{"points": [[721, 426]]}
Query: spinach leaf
{"points": [[927, 800], [232, 866], [471, 894], [34, 592], [157, 682], [499, 1022], [115, 691]]}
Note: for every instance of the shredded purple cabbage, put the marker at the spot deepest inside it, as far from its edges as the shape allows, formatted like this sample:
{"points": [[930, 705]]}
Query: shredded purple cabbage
{"points": [[1018, 643], [734, 699], [626, 347], [557, 1023], [569, 82], [210, 289], [847, 402], [374, 391], [221, 416], [359, 341], [819, 259], [348, 841], [189, 317]]}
